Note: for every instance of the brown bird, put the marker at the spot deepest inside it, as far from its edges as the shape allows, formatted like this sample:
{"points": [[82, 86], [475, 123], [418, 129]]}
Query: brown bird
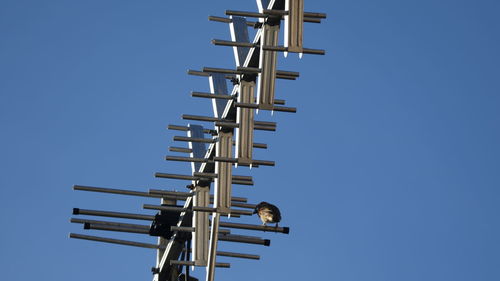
{"points": [[268, 213]]}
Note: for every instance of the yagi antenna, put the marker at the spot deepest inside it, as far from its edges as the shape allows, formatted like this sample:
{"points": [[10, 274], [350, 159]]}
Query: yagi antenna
{"points": [[188, 221]]}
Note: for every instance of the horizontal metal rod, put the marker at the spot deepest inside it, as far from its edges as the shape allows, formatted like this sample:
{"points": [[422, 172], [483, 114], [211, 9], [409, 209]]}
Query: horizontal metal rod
{"points": [[219, 19], [165, 208], [238, 255], [115, 241], [243, 205], [166, 192], [211, 96], [280, 102], [245, 239], [198, 73], [275, 108], [264, 128], [221, 70], [192, 229], [236, 125], [274, 12], [182, 228], [285, 109], [242, 182], [195, 209], [252, 23], [213, 119], [284, 230], [285, 77], [275, 48], [276, 101], [232, 211], [119, 224], [218, 42], [186, 159], [186, 128], [284, 49], [214, 175], [177, 177], [251, 70], [265, 13], [180, 149], [77, 211], [239, 71], [233, 255], [191, 263], [201, 160], [114, 191], [189, 139], [200, 118], [226, 124], [265, 123], [260, 145], [287, 73], [194, 178], [186, 194], [315, 15], [263, 162], [235, 160], [313, 51], [246, 105], [307, 15], [312, 20], [245, 14], [178, 128], [227, 20], [206, 74], [114, 228], [246, 69], [171, 193]]}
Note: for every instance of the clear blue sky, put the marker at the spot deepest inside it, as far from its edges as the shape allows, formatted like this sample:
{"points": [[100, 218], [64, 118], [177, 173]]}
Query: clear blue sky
{"points": [[390, 170]]}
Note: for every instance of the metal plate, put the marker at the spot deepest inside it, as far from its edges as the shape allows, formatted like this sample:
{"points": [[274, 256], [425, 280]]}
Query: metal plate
{"points": [[245, 120], [263, 4], [239, 33], [294, 25], [223, 181], [198, 148], [218, 86], [200, 224], [267, 63]]}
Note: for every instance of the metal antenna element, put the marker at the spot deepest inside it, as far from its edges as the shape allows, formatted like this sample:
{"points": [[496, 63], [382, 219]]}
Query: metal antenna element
{"points": [[189, 224]]}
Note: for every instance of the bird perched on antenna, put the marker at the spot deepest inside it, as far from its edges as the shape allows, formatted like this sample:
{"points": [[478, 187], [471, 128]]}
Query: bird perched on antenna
{"points": [[268, 213]]}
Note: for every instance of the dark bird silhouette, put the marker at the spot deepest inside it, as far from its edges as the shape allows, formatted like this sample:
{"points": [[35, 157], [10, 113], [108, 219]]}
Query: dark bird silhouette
{"points": [[268, 213]]}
